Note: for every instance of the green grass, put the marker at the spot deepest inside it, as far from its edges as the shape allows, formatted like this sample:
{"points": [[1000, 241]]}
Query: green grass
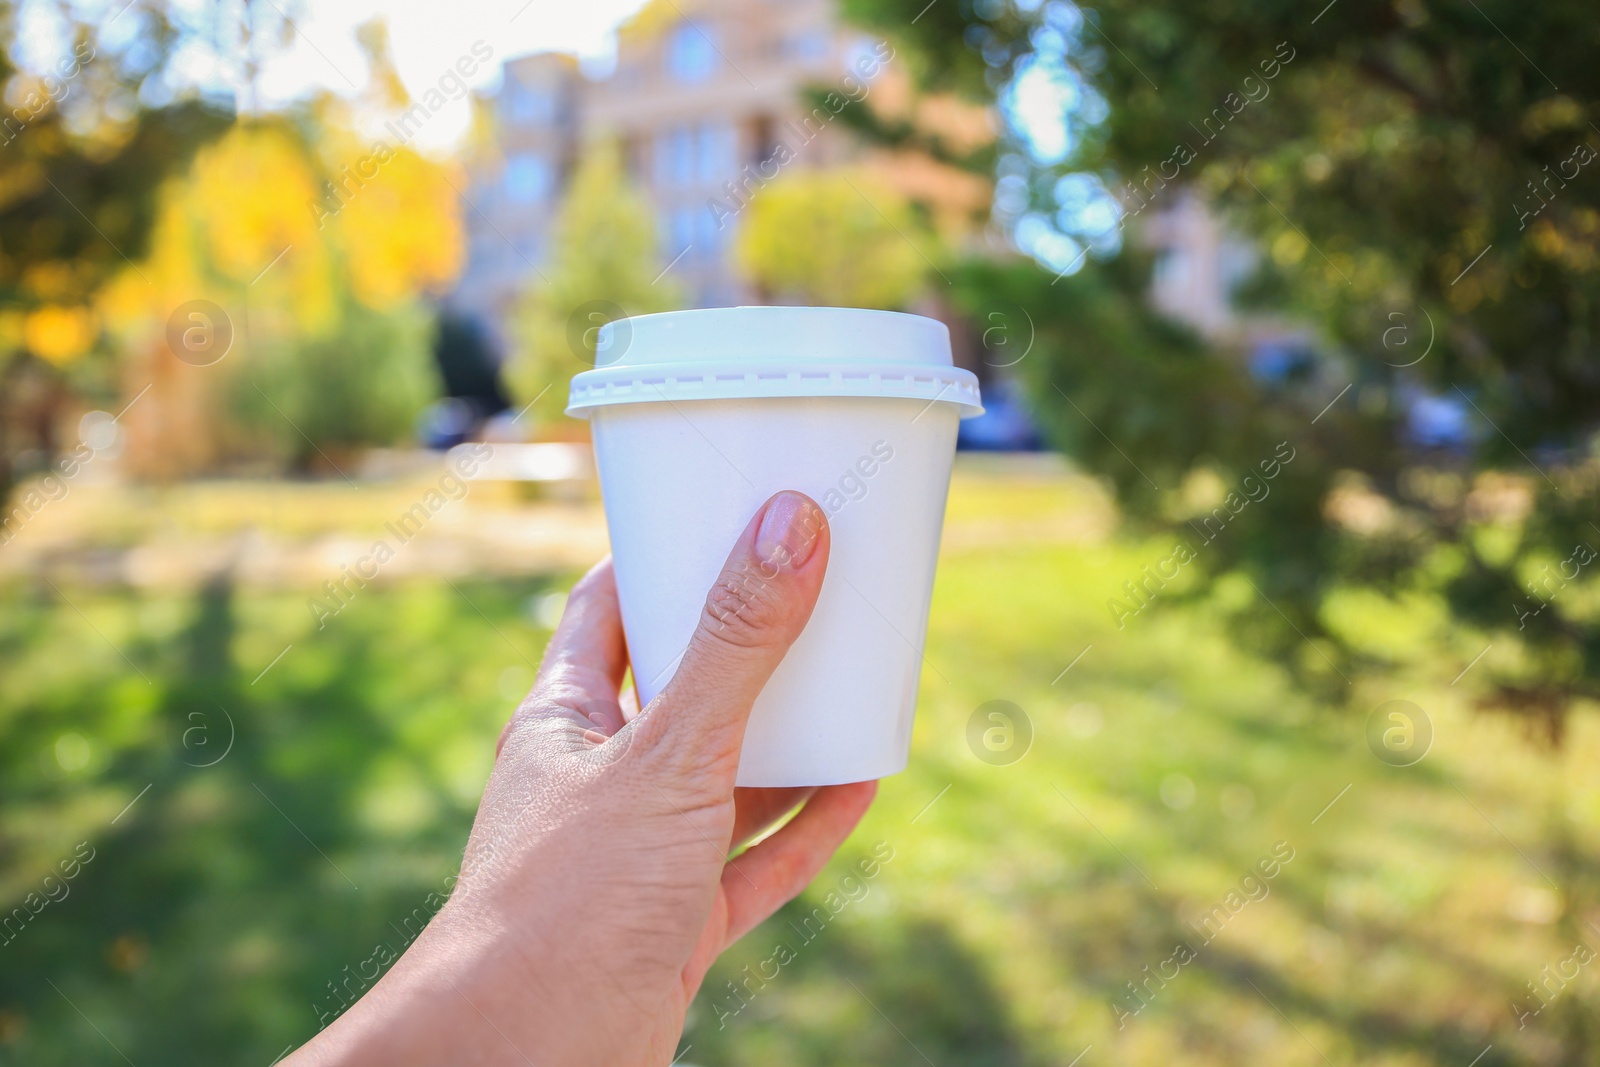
{"points": [[1019, 901]]}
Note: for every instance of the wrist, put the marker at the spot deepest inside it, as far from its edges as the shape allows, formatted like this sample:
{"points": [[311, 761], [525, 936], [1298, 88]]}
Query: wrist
{"points": [[434, 1004]]}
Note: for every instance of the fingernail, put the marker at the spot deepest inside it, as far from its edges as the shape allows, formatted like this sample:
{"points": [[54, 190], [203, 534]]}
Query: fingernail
{"points": [[789, 529]]}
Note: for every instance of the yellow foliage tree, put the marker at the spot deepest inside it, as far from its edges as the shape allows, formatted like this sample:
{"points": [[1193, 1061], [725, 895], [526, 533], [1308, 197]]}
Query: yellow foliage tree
{"points": [[251, 188], [247, 196], [59, 334], [401, 232], [834, 238], [318, 283]]}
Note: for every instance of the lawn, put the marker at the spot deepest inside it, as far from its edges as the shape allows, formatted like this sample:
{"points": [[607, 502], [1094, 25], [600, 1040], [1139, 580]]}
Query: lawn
{"points": [[252, 810]]}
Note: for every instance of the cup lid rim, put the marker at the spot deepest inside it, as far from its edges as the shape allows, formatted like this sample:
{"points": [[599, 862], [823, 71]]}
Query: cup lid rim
{"points": [[817, 310], [755, 379]]}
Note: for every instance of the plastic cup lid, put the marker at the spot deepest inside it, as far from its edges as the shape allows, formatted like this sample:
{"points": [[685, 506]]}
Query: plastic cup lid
{"points": [[756, 352]]}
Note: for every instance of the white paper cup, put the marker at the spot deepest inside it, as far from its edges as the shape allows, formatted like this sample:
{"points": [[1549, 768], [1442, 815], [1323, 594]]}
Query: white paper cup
{"points": [[698, 418]]}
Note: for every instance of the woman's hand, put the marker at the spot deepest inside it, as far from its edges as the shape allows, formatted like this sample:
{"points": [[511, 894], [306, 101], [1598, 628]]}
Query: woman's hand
{"points": [[596, 888]]}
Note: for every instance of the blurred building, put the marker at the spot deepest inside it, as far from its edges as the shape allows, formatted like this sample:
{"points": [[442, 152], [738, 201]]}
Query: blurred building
{"points": [[697, 102], [1197, 266]]}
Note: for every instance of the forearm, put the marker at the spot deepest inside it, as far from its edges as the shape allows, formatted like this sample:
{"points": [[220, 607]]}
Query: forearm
{"points": [[435, 1004]]}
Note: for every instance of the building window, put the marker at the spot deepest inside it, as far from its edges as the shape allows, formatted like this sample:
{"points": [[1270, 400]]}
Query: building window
{"points": [[529, 251], [807, 46], [709, 237], [675, 157], [528, 105], [678, 232], [717, 152], [527, 178], [863, 56], [1170, 269], [691, 53]]}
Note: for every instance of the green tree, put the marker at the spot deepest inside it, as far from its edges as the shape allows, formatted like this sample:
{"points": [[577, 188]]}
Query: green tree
{"points": [[312, 400], [1402, 166], [834, 239], [604, 264]]}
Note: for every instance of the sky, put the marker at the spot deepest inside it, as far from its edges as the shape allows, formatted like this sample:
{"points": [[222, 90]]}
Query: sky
{"points": [[427, 37]]}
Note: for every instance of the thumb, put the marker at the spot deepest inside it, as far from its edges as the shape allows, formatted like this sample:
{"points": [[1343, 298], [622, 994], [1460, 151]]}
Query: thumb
{"points": [[755, 610]]}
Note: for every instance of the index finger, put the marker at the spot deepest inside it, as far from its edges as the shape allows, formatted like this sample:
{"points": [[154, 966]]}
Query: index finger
{"points": [[583, 664], [588, 639]]}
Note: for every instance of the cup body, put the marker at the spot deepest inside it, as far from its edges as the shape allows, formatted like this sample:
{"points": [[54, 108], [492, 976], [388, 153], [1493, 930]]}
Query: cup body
{"points": [[680, 481]]}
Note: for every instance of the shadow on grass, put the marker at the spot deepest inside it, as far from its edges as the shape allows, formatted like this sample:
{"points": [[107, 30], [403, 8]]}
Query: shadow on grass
{"points": [[262, 866], [883, 991]]}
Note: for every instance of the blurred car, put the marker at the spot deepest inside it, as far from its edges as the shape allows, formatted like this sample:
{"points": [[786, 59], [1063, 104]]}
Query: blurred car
{"points": [[1004, 426]]}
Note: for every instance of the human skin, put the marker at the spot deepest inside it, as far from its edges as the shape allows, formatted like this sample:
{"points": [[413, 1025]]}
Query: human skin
{"points": [[596, 889]]}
